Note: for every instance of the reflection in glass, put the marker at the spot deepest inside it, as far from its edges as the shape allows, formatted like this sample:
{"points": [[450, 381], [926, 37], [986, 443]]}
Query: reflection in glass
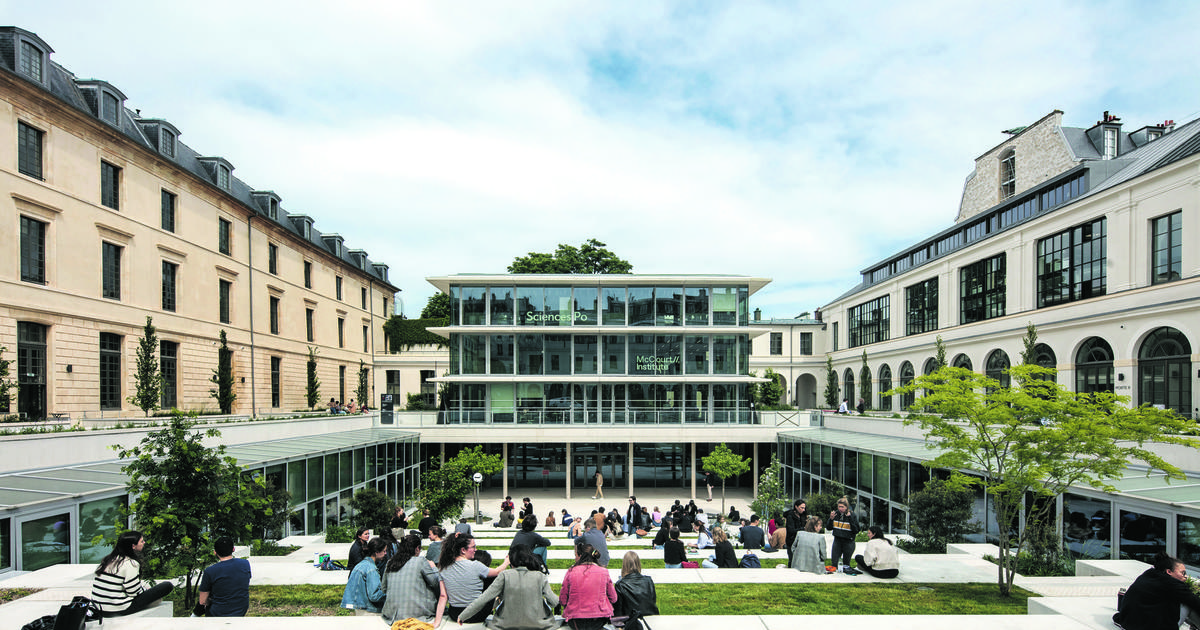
{"points": [[641, 306], [474, 306], [45, 541], [612, 299], [1187, 530], [696, 354], [474, 354], [1142, 536], [641, 354], [98, 518], [529, 306], [724, 306], [614, 354], [502, 406], [502, 306], [667, 358], [882, 477], [529, 354], [696, 403], [558, 354], [724, 354], [295, 480], [585, 354], [501, 354], [558, 307], [668, 306], [696, 306], [587, 304]]}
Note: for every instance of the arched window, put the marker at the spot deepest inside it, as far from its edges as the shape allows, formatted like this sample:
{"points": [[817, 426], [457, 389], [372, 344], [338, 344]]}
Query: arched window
{"points": [[930, 366], [1164, 370], [885, 383], [997, 366], [848, 393], [1008, 174], [1094, 367], [1043, 355], [962, 361], [906, 378]]}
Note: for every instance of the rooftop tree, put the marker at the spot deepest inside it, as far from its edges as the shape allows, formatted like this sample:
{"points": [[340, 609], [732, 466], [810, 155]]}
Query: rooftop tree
{"points": [[724, 463], [590, 258]]}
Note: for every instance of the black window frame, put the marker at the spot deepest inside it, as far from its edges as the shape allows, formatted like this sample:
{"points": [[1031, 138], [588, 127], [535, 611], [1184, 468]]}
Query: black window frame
{"points": [[308, 274], [921, 307], [224, 295], [341, 330], [273, 309], [168, 366], [308, 324], [982, 289], [363, 290], [110, 270], [806, 343], [1170, 241], [224, 236], [170, 276], [30, 142], [776, 343], [276, 382], [110, 370], [1084, 248], [32, 64], [870, 322], [166, 142], [167, 202], [33, 250], [337, 287], [110, 185], [366, 338], [273, 259]]}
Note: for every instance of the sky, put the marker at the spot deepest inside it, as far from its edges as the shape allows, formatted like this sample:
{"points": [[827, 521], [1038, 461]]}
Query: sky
{"points": [[797, 141]]}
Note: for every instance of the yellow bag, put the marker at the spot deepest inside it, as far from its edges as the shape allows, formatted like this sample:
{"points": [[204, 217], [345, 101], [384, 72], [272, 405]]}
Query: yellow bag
{"points": [[411, 624]]}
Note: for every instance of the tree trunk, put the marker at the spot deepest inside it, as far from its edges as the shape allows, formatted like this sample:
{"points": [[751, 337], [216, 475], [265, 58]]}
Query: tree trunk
{"points": [[722, 497]]}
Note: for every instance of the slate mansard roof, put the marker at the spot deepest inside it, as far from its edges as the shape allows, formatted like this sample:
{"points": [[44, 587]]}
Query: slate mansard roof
{"points": [[83, 94]]}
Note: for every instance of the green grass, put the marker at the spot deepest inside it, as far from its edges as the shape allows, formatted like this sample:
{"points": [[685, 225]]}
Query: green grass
{"points": [[294, 600], [10, 594]]}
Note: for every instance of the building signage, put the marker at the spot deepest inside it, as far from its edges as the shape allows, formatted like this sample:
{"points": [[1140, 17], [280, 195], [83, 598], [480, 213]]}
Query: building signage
{"points": [[655, 364], [533, 317]]}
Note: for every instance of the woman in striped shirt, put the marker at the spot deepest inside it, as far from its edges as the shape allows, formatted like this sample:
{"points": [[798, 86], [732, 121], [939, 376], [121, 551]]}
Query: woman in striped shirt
{"points": [[117, 587]]}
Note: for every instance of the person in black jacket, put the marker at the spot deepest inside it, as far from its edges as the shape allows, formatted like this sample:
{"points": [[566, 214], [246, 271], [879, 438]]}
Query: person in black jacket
{"points": [[844, 527], [635, 592], [674, 553], [724, 557], [526, 509], [664, 533], [358, 548], [633, 516], [1154, 600], [794, 522], [535, 541]]}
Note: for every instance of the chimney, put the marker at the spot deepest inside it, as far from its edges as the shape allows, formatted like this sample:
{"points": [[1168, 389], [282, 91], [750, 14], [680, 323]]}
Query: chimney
{"points": [[758, 314]]}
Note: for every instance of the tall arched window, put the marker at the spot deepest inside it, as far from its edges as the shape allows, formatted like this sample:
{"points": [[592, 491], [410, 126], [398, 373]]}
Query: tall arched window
{"points": [[1008, 174], [1164, 370], [885, 383], [962, 361], [848, 393], [906, 378], [1043, 355], [996, 367], [930, 366], [1094, 367]]}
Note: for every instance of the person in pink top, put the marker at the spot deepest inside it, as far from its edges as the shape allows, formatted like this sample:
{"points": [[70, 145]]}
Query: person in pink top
{"points": [[587, 593]]}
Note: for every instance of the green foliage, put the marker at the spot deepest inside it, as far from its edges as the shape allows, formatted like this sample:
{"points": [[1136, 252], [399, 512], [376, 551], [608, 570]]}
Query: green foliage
{"points": [[940, 514], [222, 377], [864, 382], [7, 383], [590, 258], [1029, 342], [339, 533], [372, 508], [403, 333], [831, 384], [269, 523], [363, 391], [147, 381], [187, 495], [416, 402], [1036, 438], [270, 548], [437, 307], [939, 357], [771, 499], [312, 389], [445, 487], [724, 463], [823, 502], [769, 395], [1030, 565]]}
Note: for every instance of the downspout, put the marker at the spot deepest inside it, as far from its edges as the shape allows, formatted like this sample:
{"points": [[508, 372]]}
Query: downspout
{"points": [[371, 317], [250, 275]]}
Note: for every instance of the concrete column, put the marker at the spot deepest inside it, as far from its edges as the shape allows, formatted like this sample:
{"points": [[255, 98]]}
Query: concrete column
{"points": [[753, 471], [692, 474], [442, 454], [629, 468], [570, 472], [504, 471]]}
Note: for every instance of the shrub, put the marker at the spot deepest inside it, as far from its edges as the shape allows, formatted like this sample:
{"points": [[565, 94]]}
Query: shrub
{"points": [[270, 548], [940, 514], [339, 533], [372, 508]]}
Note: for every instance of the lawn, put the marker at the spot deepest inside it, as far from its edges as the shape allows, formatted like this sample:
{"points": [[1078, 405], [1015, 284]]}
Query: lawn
{"points": [[718, 599]]}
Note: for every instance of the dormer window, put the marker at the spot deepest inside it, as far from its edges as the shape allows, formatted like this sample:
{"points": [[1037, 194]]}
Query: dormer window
{"points": [[1153, 135], [1008, 174], [166, 142], [1110, 143], [31, 61], [223, 176], [109, 108]]}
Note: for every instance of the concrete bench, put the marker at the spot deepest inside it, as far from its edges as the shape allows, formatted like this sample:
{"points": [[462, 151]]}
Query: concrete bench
{"points": [[16, 614]]}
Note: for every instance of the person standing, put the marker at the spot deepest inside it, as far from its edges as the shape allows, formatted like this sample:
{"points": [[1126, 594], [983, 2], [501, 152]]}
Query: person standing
{"points": [[710, 480], [599, 479], [844, 527], [225, 586], [1158, 599], [117, 588], [795, 523], [633, 517]]}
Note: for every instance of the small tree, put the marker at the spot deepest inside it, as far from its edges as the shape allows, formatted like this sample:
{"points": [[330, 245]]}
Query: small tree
{"points": [[1036, 439], [372, 508], [939, 514], [771, 498], [770, 394], [939, 356], [445, 487], [7, 383], [823, 502], [417, 402], [222, 377], [724, 463], [437, 307], [147, 380], [362, 392], [186, 495], [831, 384], [864, 382], [312, 390]]}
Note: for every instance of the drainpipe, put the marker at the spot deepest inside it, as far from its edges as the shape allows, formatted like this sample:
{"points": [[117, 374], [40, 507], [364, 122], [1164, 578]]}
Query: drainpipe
{"points": [[250, 277]]}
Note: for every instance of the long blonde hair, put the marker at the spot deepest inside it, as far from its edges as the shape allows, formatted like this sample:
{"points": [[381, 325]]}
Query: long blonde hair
{"points": [[631, 563], [719, 535]]}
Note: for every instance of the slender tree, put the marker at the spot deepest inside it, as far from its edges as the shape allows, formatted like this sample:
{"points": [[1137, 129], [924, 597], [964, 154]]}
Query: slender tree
{"points": [[771, 498], [147, 380], [312, 390], [724, 463], [363, 392], [1030, 342], [939, 359], [831, 384], [222, 377], [864, 382], [7, 382]]}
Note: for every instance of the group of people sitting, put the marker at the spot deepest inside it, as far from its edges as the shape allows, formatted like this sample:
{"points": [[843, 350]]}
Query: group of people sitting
{"points": [[804, 539], [459, 583], [337, 408]]}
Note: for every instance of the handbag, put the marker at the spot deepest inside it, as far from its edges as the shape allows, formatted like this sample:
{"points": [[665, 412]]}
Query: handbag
{"points": [[688, 564], [73, 615], [45, 622]]}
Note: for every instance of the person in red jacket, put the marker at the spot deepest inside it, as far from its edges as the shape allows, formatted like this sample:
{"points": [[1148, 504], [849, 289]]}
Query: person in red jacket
{"points": [[587, 593]]}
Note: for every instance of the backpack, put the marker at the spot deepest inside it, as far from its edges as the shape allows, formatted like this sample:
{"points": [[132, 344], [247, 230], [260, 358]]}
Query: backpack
{"points": [[332, 565], [749, 561]]}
